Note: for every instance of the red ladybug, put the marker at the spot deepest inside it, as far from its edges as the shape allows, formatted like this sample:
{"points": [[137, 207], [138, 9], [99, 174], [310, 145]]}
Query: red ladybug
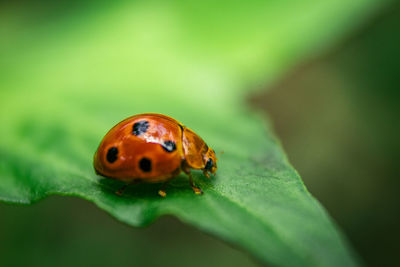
{"points": [[152, 148]]}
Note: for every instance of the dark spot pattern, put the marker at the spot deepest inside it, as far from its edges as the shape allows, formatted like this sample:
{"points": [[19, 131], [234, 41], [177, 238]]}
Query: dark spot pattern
{"points": [[145, 164], [140, 127], [209, 164], [112, 154], [169, 146]]}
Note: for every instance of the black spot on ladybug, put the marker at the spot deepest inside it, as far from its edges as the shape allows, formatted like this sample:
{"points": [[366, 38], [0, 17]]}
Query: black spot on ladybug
{"points": [[112, 154], [169, 146], [145, 164], [209, 164], [140, 127]]}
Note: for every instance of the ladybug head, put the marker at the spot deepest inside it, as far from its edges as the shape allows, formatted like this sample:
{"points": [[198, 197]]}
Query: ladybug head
{"points": [[210, 161]]}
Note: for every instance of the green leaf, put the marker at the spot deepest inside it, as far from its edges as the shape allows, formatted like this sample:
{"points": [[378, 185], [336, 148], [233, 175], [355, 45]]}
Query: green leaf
{"points": [[68, 79]]}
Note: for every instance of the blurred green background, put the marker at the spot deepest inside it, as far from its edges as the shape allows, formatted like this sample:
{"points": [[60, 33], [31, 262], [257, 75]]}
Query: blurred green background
{"points": [[335, 113]]}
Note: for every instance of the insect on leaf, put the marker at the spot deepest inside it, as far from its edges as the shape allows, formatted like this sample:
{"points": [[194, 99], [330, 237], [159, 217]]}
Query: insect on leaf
{"points": [[69, 80]]}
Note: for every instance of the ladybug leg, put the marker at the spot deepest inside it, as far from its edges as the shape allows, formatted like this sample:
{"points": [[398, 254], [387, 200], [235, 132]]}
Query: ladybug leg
{"points": [[206, 174], [162, 192], [186, 169], [196, 190], [120, 192]]}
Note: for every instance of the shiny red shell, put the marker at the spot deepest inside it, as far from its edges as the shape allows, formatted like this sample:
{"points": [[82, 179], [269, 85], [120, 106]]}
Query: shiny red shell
{"points": [[152, 148]]}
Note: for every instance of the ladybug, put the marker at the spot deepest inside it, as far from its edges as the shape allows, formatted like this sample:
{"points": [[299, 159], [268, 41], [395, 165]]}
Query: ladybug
{"points": [[152, 148]]}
